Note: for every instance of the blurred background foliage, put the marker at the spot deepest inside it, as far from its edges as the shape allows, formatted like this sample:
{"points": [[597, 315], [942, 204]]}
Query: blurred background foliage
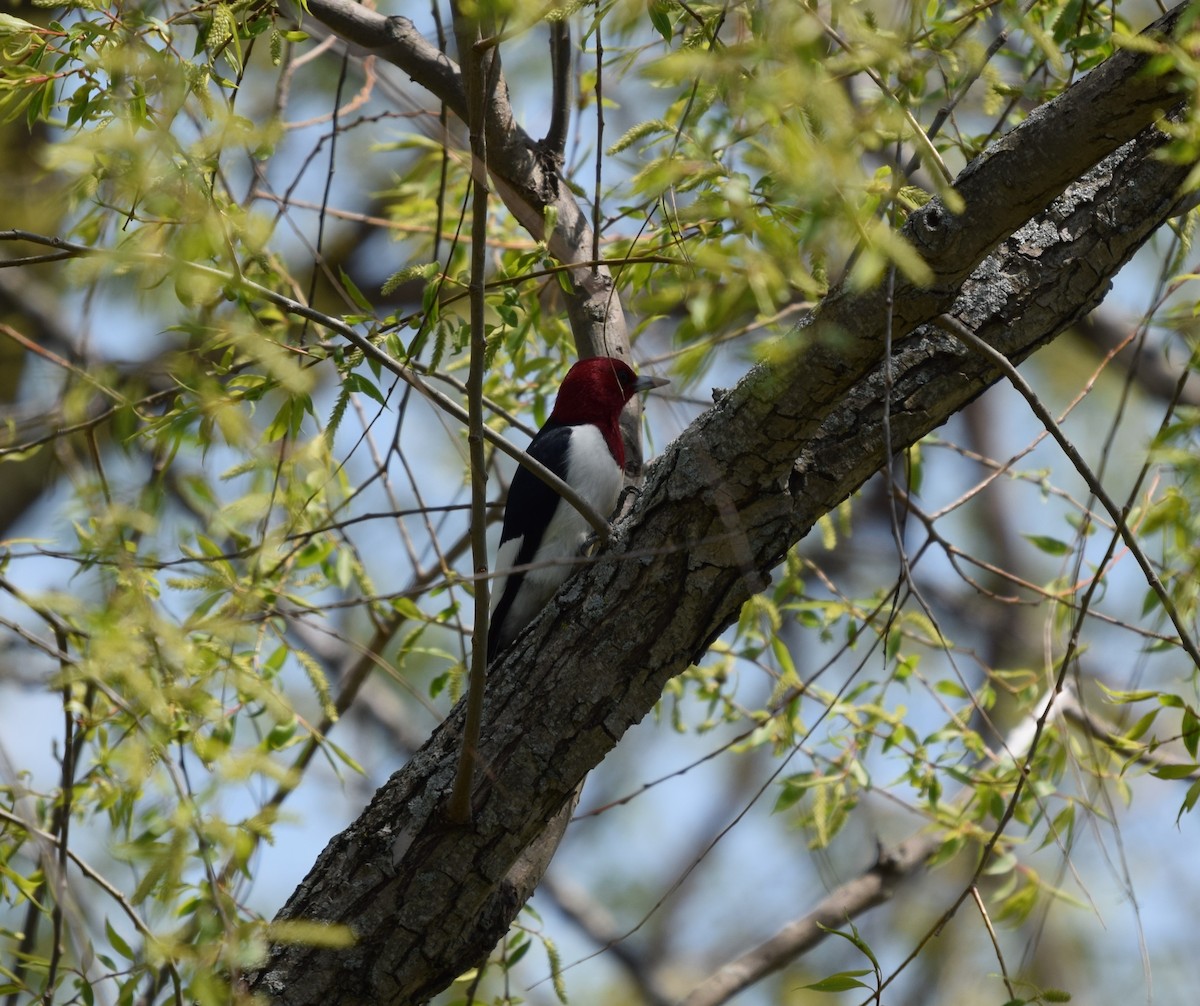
{"points": [[233, 577]]}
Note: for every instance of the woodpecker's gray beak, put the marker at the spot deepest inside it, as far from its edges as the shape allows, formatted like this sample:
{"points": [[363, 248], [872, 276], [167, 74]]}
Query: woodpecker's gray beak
{"points": [[649, 383]]}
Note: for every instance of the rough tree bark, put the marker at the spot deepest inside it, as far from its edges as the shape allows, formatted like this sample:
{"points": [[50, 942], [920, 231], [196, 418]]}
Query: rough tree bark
{"points": [[721, 507]]}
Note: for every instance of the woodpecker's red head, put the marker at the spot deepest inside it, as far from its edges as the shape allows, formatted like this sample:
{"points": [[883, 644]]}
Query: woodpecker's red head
{"points": [[595, 391]]}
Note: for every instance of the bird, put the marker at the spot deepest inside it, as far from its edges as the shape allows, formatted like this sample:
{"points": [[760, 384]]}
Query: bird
{"points": [[581, 444]]}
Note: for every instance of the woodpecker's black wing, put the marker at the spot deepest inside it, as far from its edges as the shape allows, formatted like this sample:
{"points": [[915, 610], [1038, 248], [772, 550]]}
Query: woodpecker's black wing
{"points": [[527, 515]]}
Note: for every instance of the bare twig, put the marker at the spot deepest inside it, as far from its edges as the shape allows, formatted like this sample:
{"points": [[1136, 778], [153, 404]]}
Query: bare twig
{"points": [[575, 903], [1108, 734], [528, 184], [63, 819], [481, 60], [1116, 513], [987, 922], [873, 887], [598, 521]]}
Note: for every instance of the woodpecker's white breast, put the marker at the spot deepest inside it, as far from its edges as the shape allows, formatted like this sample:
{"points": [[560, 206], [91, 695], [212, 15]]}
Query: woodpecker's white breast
{"points": [[591, 471]]}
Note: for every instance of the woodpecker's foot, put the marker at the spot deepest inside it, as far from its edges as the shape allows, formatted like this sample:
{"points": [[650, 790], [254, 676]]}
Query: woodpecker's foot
{"points": [[627, 494], [590, 546]]}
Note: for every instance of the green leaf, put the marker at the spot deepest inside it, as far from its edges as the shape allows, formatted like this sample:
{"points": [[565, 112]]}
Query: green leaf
{"points": [[1190, 730], [1189, 800], [280, 735], [1142, 725], [1051, 546], [1125, 697], [952, 689], [10, 26], [117, 943], [355, 293], [357, 382], [855, 938], [843, 981], [783, 658], [515, 955], [342, 755], [660, 18], [1175, 771]]}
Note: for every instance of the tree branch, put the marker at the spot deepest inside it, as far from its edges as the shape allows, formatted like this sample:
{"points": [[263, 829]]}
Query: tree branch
{"points": [[595, 922], [847, 901], [526, 178], [396, 41], [727, 500], [484, 68], [1084, 471], [555, 140]]}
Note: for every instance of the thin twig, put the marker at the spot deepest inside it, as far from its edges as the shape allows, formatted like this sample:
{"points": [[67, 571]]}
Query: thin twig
{"points": [[874, 886], [598, 521], [334, 130], [479, 62], [947, 109], [983, 914], [1001, 362], [1110, 736], [64, 821], [444, 136], [1117, 514]]}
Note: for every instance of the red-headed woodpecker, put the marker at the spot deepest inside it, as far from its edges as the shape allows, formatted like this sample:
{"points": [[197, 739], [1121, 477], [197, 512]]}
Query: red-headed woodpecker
{"points": [[580, 443]]}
